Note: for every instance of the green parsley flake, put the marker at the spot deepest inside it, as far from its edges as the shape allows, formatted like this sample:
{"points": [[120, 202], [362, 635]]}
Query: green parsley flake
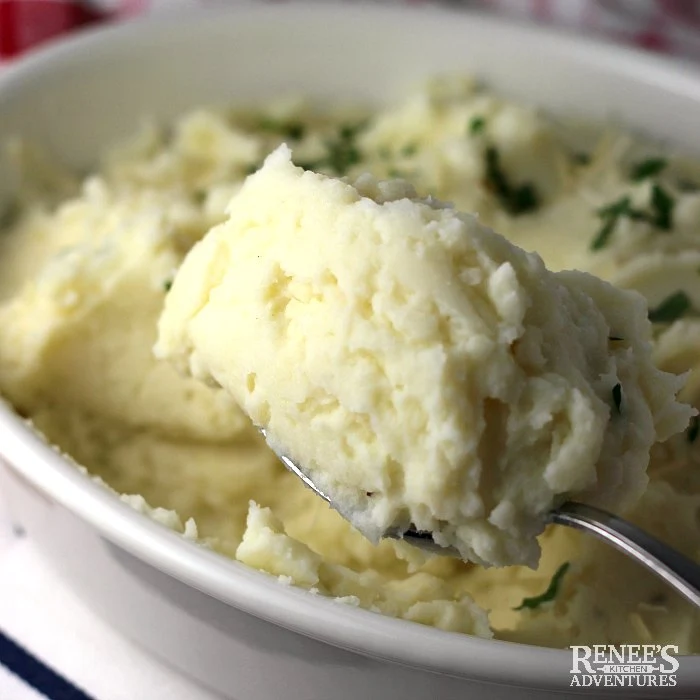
{"points": [[550, 594], [10, 213], [647, 168], [167, 285], [476, 125], [342, 150], [617, 397], [660, 215], [199, 196], [671, 308], [292, 130], [693, 430], [606, 230], [617, 208], [518, 199], [662, 207], [610, 215], [409, 150], [685, 185]]}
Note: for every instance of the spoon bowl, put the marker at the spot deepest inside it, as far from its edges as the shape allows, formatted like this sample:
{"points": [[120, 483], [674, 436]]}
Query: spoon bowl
{"points": [[677, 570]]}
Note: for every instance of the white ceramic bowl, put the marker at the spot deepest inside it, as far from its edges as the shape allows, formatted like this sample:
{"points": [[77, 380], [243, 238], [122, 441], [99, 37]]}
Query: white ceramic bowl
{"points": [[233, 628]]}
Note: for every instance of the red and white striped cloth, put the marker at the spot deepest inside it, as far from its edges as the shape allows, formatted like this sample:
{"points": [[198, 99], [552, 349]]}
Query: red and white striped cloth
{"points": [[668, 26]]}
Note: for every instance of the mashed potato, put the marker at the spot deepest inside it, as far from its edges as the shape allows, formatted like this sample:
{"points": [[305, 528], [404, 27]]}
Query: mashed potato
{"points": [[421, 369], [76, 343]]}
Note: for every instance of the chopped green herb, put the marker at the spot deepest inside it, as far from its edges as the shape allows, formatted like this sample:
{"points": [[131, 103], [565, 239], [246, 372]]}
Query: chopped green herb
{"points": [[582, 158], [647, 168], [606, 230], [342, 150], [395, 173], [476, 125], [617, 208], [342, 153], [167, 285], [252, 168], [550, 594], [199, 196], [685, 185], [614, 337], [409, 150], [524, 199], [671, 308], [515, 200], [610, 214], [10, 213], [660, 216], [617, 397], [662, 206], [296, 131], [350, 131], [693, 430], [292, 130]]}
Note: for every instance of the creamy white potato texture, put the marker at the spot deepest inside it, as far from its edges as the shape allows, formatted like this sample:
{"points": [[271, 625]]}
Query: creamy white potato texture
{"points": [[422, 370], [85, 269]]}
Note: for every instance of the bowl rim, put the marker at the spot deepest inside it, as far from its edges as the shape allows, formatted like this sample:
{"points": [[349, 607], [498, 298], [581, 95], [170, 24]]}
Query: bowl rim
{"points": [[261, 595]]}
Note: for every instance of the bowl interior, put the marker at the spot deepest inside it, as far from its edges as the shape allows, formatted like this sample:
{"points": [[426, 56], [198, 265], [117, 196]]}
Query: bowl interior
{"points": [[84, 94]]}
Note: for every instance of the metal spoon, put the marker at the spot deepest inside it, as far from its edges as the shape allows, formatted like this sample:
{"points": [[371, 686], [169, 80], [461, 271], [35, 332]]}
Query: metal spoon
{"points": [[674, 568]]}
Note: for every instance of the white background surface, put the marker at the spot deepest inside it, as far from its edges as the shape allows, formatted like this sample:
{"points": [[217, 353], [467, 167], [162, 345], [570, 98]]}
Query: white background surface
{"points": [[44, 616]]}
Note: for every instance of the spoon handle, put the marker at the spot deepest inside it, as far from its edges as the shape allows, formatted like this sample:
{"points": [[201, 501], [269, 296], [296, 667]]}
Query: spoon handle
{"points": [[667, 563]]}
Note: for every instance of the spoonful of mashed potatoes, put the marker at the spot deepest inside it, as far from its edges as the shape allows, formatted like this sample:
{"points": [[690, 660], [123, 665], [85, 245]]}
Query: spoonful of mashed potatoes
{"points": [[423, 371]]}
